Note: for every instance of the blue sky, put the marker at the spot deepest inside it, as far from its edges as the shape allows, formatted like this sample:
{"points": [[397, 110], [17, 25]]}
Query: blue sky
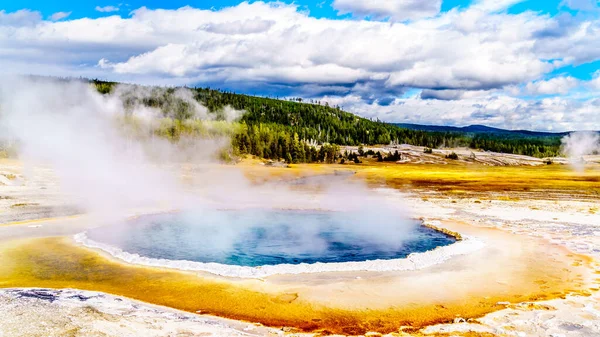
{"points": [[317, 8], [507, 63], [86, 8]]}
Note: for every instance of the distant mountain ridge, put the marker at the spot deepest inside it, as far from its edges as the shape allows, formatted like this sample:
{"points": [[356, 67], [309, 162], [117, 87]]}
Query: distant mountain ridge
{"points": [[480, 129]]}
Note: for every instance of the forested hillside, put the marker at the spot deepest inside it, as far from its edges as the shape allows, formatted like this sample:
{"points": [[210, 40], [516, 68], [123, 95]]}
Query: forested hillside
{"points": [[290, 129]]}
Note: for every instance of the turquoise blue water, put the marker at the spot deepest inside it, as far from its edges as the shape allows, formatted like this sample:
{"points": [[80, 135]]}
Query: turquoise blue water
{"points": [[259, 237]]}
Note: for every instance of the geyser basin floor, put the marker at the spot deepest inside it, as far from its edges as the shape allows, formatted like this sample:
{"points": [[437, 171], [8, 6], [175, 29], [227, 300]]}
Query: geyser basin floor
{"points": [[510, 268], [466, 286], [262, 242]]}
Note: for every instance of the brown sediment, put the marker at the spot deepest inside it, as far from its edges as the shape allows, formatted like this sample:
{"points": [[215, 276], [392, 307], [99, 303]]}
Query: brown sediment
{"points": [[448, 232], [33, 221], [457, 179], [453, 334], [545, 182], [57, 263]]}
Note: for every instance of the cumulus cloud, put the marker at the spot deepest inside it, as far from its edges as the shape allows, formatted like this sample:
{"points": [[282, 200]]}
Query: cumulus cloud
{"points": [[573, 42], [107, 9], [21, 18], [266, 42], [553, 86], [493, 109], [399, 10], [479, 59], [495, 5], [251, 26], [59, 16], [449, 95], [425, 55], [595, 82], [581, 5]]}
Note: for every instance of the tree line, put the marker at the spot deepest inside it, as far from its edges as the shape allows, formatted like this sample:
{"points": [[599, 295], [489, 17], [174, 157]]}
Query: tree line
{"points": [[307, 132]]}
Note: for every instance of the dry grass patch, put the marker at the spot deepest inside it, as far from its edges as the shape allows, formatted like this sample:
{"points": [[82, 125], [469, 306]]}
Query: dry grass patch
{"points": [[455, 179]]}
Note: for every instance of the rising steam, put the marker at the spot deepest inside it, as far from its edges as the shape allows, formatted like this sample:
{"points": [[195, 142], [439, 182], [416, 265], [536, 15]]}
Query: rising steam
{"points": [[579, 144], [109, 160], [102, 160]]}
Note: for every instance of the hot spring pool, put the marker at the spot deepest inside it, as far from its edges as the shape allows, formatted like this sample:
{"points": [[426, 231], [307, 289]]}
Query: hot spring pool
{"points": [[252, 238]]}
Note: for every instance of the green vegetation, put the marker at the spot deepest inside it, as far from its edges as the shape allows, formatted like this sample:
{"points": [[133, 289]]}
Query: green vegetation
{"points": [[311, 132], [392, 156], [319, 123], [535, 146], [104, 87]]}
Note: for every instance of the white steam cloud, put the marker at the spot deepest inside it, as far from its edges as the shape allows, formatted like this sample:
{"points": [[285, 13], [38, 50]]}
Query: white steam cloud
{"points": [[102, 163], [579, 144], [109, 167]]}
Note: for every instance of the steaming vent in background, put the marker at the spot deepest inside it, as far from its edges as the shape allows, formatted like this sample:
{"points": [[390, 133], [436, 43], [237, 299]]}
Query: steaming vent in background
{"points": [[577, 145]]}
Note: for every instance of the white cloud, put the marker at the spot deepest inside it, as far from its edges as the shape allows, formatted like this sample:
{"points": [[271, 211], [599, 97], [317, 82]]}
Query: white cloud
{"points": [[471, 64], [448, 95], [59, 16], [451, 95], [21, 18], [495, 5], [396, 9], [270, 40], [558, 85], [551, 114], [582, 5], [594, 83], [104, 64], [250, 26], [107, 9]]}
